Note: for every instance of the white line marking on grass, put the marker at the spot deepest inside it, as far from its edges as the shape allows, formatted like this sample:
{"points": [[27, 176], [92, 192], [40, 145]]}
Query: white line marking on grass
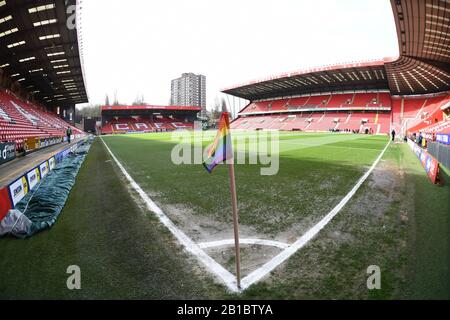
{"points": [[223, 274], [228, 242], [228, 278], [325, 145], [261, 272]]}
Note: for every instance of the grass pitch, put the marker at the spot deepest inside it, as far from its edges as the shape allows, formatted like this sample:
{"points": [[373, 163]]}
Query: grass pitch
{"points": [[316, 171], [123, 251]]}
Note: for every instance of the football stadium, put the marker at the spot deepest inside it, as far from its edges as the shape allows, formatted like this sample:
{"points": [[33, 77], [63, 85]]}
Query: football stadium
{"points": [[332, 182]]}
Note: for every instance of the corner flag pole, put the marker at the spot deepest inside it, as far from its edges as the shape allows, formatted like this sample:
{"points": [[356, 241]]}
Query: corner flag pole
{"points": [[235, 214], [221, 151], [235, 223]]}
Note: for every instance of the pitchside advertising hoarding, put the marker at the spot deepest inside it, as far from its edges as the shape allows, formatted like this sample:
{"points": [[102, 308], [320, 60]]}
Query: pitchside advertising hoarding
{"points": [[37, 143], [51, 163], [43, 168], [443, 138], [18, 189], [7, 151], [48, 142], [33, 178], [430, 164]]}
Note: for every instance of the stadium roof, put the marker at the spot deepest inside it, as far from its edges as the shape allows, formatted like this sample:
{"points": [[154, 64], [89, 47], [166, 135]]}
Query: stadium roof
{"points": [[151, 107], [423, 66], [39, 49]]}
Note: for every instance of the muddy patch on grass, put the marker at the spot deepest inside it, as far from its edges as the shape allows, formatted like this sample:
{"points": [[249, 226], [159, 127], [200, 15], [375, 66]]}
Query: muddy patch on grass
{"points": [[385, 189], [252, 257], [370, 229], [204, 228]]}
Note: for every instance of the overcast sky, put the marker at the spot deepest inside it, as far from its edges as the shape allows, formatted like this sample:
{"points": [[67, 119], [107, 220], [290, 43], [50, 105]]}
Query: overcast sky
{"points": [[138, 46]]}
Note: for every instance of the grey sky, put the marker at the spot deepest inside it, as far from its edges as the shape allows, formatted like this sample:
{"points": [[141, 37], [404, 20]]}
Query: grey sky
{"points": [[138, 46]]}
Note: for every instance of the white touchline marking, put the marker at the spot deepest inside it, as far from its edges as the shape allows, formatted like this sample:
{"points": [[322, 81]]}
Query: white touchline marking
{"points": [[228, 278], [228, 242], [268, 267]]}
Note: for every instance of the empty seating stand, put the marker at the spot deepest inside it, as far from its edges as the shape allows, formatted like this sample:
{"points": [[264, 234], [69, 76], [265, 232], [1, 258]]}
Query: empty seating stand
{"points": [[340, 111], [20, 120], [137, 124], [416, 113], [376, 111]]}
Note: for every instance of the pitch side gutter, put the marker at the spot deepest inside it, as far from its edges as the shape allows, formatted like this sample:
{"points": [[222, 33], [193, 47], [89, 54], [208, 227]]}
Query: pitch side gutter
{"points": [[224, 275]]}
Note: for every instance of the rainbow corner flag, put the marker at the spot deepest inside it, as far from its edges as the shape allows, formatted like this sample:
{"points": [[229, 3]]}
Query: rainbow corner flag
{"points": [[222, 148]]}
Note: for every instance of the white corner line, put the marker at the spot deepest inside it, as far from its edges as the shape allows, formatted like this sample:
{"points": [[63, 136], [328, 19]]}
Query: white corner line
{"points": [[224, 275], [227, 278], [268, 267], [229, 242]]}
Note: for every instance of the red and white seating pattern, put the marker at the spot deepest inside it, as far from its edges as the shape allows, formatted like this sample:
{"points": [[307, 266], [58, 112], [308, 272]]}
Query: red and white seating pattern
{"points": [[430, 113], [405, 113], [20, 120], [320, 120], [352, 100], [437, 127], [417, 113], [137, 124]]}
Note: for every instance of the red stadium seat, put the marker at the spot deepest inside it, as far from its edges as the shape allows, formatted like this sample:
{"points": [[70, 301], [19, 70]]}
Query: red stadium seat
{"points": [[20, 120], [356, 111]]}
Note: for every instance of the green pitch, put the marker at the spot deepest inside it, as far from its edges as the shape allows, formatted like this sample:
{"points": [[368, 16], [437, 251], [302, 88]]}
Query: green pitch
{"points": [[124, 252], [315, 172]]}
